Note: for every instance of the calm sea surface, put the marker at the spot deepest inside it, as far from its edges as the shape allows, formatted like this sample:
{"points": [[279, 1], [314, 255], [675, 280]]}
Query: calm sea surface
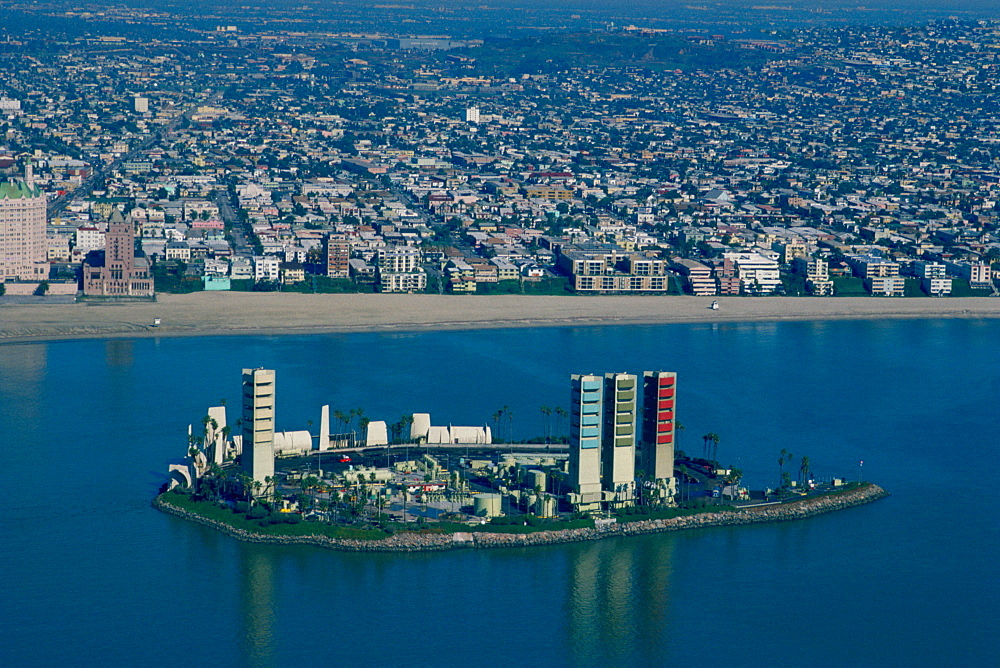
{"points": [[91, 575]]}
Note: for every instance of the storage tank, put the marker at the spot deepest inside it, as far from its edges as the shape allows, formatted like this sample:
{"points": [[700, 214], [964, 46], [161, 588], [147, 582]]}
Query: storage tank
{"points": [[487, 505]]}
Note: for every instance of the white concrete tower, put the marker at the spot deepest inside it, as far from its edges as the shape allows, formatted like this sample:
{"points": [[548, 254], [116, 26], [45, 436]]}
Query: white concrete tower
{"points": [[586, 402], [258, 423], [323, 442]]}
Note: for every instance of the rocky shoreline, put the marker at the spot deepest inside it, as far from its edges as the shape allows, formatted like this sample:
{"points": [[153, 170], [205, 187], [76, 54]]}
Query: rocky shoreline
{"points": [[421, 542], [428, 542]]}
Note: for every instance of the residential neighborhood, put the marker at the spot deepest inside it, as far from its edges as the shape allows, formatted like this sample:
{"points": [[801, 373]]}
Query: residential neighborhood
{"points": [[827, 161]]}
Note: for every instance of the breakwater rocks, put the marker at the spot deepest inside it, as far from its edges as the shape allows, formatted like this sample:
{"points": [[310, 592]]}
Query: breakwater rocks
{"points": [[425, 542]]}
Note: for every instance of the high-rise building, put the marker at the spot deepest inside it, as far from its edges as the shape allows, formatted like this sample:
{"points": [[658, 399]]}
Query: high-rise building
{"points": [[23, 247], [659, 390], [141, 104], [472, 115], [338, 257], [117, 271], [618, 438], [586, 402], [258, 423]]}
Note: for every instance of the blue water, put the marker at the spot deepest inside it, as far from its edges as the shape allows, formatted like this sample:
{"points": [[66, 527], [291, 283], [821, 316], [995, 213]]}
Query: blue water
{"points": [[92, 575]]}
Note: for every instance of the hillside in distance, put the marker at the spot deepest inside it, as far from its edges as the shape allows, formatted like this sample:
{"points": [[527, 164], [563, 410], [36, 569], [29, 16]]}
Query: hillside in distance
{"points": [[562, 51]]}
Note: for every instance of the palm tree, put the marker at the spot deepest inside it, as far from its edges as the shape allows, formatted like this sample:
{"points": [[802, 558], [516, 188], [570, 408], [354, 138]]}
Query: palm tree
{"points": [[733, 479], [363, 426], [784, 457], [561, 414], [355, 412], [496, 418], [335, 502], [403, 489], [546, 416], [338, 416], [804, 470], [715, 447], [509, 414], [678, 427]]}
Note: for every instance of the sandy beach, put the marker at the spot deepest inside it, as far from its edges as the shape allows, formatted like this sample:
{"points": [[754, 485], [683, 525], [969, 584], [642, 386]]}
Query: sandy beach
{"points": [[233, 313]]}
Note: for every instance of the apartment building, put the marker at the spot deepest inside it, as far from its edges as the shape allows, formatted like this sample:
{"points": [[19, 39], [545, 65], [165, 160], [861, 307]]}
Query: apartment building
{"points": [[23, 246], [619, 436], [659, 389], [586, 406], [817, 273], [757, 274], [697, 276], [933, 276]]}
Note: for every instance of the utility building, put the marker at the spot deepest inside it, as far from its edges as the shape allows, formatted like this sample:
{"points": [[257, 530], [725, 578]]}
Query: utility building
{"points": [[258, 424], [586, 402], [618, 442]]}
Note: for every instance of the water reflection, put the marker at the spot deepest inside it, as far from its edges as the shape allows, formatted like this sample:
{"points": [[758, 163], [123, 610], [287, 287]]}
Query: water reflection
{"points": [[22, 371], [257, 605], [619, 601], [119, 352]]}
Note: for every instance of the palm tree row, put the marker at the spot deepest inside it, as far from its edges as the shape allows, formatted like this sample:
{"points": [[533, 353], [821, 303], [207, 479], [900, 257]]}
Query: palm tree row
{"points": [[347, 420], [710, 447]]}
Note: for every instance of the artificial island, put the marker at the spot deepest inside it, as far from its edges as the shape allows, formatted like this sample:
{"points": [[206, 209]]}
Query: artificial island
{"points": [[410, 485]]}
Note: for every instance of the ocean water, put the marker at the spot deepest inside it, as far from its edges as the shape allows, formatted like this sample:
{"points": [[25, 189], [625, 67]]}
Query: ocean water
{"points": [[92, 575]]}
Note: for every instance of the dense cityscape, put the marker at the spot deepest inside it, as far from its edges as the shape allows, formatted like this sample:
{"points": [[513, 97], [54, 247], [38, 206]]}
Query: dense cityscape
{"points": [[828, 161]]}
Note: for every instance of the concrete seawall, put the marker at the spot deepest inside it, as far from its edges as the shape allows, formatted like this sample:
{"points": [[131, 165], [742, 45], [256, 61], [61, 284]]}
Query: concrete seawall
{"points": [[423, 542]]}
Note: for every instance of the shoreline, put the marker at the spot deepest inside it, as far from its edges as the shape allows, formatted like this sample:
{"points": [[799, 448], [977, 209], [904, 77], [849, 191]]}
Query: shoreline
{"points": [[278, 314], [424, 542]]}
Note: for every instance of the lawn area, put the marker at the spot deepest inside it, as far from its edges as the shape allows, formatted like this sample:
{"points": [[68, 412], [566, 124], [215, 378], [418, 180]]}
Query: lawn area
{"points": [[213, 511]]}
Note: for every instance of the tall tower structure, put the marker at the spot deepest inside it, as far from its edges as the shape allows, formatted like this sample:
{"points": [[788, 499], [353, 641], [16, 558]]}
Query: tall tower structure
{"points": [[472, 115], [122, 274], [23, 247], [586, 404], [258, 423], [618, 442], [659, 390]]}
